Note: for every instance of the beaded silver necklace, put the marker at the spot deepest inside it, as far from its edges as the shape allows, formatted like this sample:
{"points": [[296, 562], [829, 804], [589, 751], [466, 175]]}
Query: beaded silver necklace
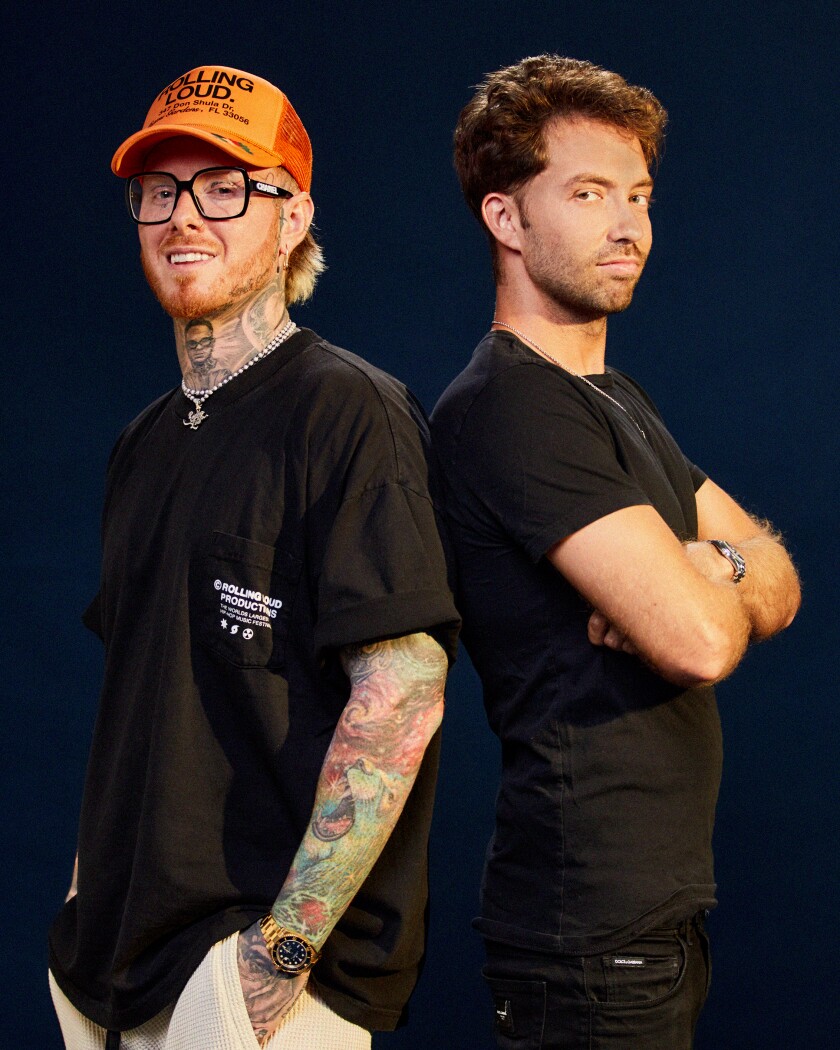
{"points": [[577, 375], [197, 417]]}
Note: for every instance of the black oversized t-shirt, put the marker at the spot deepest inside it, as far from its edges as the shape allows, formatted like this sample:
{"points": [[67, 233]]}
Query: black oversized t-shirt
{"points": [[610, 774], [237, 559]]}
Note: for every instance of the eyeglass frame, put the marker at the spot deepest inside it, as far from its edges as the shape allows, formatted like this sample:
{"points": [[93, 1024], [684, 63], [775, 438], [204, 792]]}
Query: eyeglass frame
{"points": [[251, 186]]}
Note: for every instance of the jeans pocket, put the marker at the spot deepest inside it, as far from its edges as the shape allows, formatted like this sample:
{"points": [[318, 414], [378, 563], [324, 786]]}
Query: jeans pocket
{"points": [[703, 937], [645, 972], [519, 1006]]}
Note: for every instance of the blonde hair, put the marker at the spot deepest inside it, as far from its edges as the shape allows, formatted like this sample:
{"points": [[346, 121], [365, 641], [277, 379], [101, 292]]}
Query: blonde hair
{"points": [[306, 264]]}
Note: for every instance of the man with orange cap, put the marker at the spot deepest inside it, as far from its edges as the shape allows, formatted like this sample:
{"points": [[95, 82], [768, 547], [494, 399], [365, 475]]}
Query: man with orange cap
{"points": [[276, 619]]}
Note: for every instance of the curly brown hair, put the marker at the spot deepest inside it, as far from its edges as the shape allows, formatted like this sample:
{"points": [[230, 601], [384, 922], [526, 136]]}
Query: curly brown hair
{"points": [[500, 135]]}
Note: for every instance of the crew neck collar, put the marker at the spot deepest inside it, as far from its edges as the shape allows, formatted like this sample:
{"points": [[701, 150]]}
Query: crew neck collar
{"points": [[521, 349]]}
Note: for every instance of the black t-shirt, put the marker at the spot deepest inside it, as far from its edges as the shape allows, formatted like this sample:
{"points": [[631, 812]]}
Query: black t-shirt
{"points": [[610, 774], [237, 559]]}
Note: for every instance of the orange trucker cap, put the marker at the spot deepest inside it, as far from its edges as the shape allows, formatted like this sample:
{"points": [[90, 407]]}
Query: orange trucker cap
{"points": [[243, 115]]}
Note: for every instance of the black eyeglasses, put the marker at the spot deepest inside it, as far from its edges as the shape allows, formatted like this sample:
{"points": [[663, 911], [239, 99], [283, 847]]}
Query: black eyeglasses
{"points": [[218, 193]]}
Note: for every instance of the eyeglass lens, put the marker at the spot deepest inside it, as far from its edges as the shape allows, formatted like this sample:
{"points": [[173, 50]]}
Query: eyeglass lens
{"points": [[219, 193]]}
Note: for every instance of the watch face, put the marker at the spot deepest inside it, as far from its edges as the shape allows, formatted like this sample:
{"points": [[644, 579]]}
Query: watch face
{"points": [[291, 954]]}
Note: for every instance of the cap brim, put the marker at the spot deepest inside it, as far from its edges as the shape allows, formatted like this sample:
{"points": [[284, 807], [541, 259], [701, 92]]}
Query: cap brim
{"points": [[129, 158]]}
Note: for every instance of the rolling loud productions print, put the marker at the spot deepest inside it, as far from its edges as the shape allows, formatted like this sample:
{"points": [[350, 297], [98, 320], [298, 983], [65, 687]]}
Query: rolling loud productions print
{"points": [[242, 609]]}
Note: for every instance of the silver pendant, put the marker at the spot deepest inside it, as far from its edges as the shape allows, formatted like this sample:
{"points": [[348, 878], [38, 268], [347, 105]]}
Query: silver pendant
{"points": [[196, 418]]}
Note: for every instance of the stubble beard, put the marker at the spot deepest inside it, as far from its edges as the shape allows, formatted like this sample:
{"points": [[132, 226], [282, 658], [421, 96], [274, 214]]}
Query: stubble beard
{"points": [[186, 302], [579, 291]]}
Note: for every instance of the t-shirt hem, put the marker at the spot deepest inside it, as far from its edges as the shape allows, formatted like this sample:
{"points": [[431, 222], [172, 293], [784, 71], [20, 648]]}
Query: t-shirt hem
{"points": [[140, 1010], [373, 1018], [139, 1013], [681, 905]]}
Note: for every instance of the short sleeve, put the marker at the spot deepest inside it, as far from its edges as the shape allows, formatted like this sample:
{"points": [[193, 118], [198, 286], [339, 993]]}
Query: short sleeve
{"points": [[381, 569], [537, 454], [384, 572]]}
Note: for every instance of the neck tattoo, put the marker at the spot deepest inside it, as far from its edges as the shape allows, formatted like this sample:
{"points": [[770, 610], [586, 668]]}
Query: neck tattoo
{"points": [[577, 375], [197, 417]]}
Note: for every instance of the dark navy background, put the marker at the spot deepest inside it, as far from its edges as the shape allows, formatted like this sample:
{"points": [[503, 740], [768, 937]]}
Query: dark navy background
{"points": [[729, 331]]}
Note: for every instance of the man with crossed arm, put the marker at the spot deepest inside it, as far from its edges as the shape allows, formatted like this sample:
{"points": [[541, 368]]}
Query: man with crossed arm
{"points": [[276, 619], [605, 582]]}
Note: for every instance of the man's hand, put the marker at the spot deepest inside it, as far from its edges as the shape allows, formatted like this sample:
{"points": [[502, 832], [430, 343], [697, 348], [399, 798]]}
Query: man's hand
{"points": [[668, 596], [769, 593], [269, 994], [630, 566], [705, 559], [602, 632]]}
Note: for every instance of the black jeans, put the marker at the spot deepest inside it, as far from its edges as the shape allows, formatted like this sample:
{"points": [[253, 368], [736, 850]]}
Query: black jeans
{"points": [[645, 995]]}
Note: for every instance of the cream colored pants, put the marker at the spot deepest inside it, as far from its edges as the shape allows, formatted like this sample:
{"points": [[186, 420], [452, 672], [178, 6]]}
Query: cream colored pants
{"points": [[210, 1015]]}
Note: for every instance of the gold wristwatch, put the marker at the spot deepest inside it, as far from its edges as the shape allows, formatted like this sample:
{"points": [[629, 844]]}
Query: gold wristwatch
{"points": [[290, 952]]}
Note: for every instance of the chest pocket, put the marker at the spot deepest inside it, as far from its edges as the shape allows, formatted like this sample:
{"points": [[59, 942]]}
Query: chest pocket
{"points": [[242, 594]]}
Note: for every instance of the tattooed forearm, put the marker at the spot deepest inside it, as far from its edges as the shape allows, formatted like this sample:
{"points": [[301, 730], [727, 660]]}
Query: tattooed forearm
{"points": [[395, 705]]}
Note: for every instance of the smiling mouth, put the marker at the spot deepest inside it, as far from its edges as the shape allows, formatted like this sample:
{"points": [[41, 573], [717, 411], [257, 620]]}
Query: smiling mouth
{"points": [[188, 257]]}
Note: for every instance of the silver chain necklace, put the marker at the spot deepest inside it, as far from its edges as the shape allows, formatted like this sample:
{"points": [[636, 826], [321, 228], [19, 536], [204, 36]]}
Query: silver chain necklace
{"points": [[197, 417], [577, 375]]}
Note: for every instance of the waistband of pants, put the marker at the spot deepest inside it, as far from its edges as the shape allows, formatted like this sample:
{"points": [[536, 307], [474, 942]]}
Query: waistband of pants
{"points": [[686, 928]]}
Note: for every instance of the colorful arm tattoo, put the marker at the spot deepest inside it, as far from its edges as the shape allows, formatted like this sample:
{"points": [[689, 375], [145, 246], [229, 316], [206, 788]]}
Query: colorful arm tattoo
{"points": [[395, 706]]}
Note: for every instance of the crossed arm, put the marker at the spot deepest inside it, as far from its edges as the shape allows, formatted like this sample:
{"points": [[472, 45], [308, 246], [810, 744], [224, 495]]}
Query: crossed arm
{"points": [[395, 706], [674, 605]]}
